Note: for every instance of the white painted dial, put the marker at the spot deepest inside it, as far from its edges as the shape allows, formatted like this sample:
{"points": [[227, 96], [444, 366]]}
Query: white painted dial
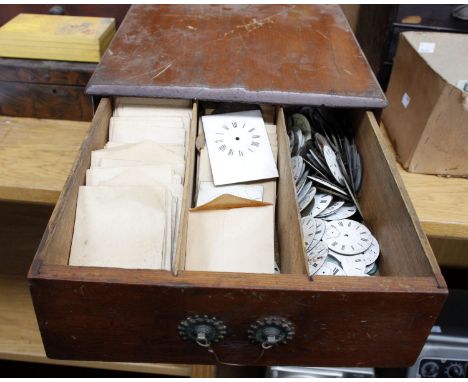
{"points": [[347, 237], [352, 265], [330, 269], [372, 253], [330, 158], [308, 229], [321, 201], [316, 256]]}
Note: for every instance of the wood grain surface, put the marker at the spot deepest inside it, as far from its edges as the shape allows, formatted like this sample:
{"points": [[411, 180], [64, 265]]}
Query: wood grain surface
{"points": [[441, 203], [142, 326], [283, 54], [20, 339], [45, 72], [36, 157], [19, 99]]}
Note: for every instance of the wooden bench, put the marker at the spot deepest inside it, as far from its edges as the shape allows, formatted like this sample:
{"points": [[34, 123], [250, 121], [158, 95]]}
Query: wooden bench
{"points": [[441, 204]]}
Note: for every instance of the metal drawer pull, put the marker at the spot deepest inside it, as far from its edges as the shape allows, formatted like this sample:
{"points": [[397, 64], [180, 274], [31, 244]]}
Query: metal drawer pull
{"points": [[202, 329], [271, 331]]}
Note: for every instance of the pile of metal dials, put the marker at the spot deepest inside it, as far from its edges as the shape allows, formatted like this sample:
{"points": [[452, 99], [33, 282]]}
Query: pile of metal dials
{"points": [[327, 170]]}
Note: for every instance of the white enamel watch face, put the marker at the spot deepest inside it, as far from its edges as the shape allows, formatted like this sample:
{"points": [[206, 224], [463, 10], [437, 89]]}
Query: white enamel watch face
{"points": [[335, 205], [321, 201], [316, 257], [345, 211], [238, 147], [330, 269], [320, 227], [308, 229], [352, 265], [347, 237], [372, 253], [330, 158], [297, 165], [304, 190], [307, 199]]}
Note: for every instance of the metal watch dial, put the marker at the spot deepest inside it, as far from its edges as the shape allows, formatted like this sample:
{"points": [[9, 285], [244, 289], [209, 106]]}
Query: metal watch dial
{"points": [[347, 237]]}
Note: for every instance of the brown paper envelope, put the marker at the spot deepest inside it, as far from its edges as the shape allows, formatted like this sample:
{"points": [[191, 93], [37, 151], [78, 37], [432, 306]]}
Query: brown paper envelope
{"points": [[231, 234], [122, 227]]}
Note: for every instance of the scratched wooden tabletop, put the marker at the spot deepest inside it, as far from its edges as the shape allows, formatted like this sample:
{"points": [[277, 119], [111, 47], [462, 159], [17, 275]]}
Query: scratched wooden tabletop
{"points": [[283, 54]]}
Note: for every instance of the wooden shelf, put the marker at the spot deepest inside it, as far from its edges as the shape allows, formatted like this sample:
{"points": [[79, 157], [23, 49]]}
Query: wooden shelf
{"points": [[441, 203], [36, 156], [20, 339]]}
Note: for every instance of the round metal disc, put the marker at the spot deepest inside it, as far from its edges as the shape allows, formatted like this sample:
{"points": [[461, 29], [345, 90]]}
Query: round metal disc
{"points": [[316, 257], [345, 211], [296, 164], [330, 269], [332, 208], [321, 201], [352, 265], [372, 253], [347, 237], [320, 227], [304, 190], [307, 199], [308, 229], [330, 158]]}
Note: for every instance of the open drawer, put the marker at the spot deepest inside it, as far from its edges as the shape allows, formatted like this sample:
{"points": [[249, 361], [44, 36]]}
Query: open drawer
{"points": [[110, 314]]}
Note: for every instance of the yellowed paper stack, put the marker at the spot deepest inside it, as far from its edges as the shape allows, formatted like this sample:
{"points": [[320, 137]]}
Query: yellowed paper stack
{"points": [[51, 37], [232, 227], [128, 213]]}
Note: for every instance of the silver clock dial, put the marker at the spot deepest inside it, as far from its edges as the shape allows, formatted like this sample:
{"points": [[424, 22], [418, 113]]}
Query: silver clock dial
{"points": [[321, 201], [316, 257], [352, 265], [333, 207], [330, 269], [330, 158], [320, 227], [345, 211], [372, 253], [308, 229], [347, 237]]}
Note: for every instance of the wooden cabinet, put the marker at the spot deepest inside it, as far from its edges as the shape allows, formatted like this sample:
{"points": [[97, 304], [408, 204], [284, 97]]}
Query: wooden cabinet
{"points": [[111, 314], [132, 315]]}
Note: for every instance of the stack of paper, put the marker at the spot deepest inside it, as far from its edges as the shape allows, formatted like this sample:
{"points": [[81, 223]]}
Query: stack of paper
{"points": [[50, 37], [232, 228], [128, 213]]}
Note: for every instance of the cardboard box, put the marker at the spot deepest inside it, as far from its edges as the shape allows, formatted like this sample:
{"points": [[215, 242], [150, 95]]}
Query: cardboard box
{"points": [[427, 116]]}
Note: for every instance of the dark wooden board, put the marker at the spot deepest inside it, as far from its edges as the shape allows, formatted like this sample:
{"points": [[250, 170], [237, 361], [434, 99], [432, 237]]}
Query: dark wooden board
{"points": [[21, 229], [131, 315], [282, 54], [88, 314], [46, 72], [19, 99]]}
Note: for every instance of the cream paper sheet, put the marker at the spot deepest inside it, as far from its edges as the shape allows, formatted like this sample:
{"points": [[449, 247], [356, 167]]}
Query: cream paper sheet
{"points": [[208, 191], [132, 133], [239, 239], [122, 227]]}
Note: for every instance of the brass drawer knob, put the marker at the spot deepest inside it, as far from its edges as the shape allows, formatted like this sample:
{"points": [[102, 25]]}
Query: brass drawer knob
{"points": [[202, 329], [271, 331]]}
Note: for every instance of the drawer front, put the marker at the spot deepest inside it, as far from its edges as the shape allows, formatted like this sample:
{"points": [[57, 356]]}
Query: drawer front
{"points": [[133, 315], [111, 321]]}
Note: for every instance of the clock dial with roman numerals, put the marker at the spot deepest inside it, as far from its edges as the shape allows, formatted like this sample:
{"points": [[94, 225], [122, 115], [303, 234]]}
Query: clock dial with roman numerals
{"points": [[347, 237], [237, 138], [238, 147]]}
